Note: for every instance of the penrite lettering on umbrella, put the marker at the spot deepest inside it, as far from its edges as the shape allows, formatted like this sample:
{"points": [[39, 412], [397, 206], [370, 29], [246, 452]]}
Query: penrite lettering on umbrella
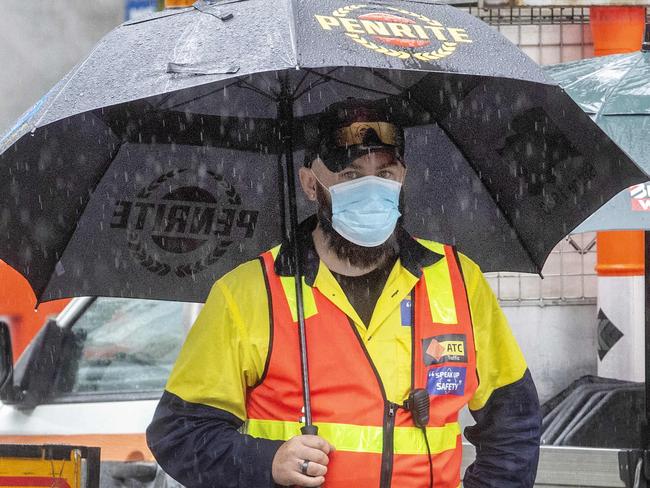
{"points": [[185, 222], [395, 32]]}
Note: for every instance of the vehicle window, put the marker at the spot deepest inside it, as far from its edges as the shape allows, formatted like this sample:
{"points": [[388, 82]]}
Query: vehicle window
{"points": [[123, 345]]}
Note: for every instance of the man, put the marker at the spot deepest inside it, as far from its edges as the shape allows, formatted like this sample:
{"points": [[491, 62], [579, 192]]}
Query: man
{"points": [[391, 322]]}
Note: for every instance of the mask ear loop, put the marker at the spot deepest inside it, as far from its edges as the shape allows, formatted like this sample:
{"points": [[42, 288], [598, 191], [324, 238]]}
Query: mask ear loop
{"points": [[400, 159], [319, 181], [405, 173], [326, 189]]}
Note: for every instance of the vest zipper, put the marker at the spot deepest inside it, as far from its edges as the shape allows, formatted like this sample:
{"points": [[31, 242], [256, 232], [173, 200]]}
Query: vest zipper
{"points": [[387, 448], [389, 419]]}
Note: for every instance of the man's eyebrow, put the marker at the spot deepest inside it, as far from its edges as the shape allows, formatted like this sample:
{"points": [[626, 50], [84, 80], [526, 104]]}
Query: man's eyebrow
{"points": [[393, 162], [359, 166], [353, 165]]}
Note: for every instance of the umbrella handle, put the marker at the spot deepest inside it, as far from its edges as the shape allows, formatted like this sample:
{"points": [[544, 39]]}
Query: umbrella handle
{"points": [[309, 430], [285, 112]]}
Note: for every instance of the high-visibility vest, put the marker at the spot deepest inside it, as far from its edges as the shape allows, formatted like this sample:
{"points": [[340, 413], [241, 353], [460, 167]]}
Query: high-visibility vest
{"points": [[377, 443]]}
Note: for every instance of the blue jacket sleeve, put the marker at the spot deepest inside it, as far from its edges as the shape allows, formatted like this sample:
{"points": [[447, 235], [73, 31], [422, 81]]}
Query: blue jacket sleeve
{"points": [[506, 437], [200, 447]]}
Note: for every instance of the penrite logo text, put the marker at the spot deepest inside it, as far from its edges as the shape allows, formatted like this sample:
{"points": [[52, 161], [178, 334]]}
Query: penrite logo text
{"points": [[173, 224], [395, 32]]}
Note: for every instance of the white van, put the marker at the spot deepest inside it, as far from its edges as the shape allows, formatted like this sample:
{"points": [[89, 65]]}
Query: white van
{"points": [[93, 377]]}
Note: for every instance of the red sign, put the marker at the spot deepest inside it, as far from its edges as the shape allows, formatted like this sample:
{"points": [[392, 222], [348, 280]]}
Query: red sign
{"points": [[640, 197]]}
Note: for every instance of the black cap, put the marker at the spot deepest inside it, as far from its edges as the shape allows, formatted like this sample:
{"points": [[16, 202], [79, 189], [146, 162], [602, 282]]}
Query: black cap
{"points": [[347, 130]]}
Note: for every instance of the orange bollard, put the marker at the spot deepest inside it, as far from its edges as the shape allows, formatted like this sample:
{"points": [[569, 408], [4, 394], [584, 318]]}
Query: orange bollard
{"points": [[621, 305], [620, 253], [617, 29]]}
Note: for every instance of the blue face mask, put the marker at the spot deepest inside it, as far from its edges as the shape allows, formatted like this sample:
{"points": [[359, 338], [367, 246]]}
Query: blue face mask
{"points": [[365, 210]]}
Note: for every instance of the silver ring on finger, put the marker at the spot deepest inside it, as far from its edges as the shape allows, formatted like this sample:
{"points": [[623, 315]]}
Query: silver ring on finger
{"points": [[304, 466]]}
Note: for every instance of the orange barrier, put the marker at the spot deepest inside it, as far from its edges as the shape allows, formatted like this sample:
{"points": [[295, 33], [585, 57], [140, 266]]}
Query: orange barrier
{"points": [[620, 253], [617, 29], [17, 302]]}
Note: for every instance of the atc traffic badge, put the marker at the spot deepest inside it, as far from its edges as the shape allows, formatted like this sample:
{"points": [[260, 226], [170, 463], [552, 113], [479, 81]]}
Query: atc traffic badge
{"points": [[447, 348]]}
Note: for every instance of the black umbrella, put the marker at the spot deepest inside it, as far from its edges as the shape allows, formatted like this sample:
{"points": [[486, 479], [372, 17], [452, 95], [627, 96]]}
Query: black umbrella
{"points": [[166, 157]]}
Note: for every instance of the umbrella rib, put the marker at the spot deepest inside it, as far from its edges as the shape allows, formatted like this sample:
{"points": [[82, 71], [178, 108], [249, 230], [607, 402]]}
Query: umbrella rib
{"points": [[163, 100], [245, 84], [72, 75], [316, 83], [552, 69], [304, 77], [202, 7], [311, 87], [322, 81], [353, 85], [40, 292], [615, 87], [200, 96], [292, 33], [212, 93], [386, 79]]}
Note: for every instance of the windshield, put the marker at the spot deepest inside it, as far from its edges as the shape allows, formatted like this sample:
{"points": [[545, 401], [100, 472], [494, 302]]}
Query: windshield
{"points": [[123, 345]]}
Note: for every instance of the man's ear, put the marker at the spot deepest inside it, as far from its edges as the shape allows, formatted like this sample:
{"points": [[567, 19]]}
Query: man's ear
{"points": [[308, 182]]}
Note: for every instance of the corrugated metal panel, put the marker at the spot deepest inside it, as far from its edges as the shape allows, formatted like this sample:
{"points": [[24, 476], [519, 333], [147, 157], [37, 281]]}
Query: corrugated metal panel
{"points": [[561, 467]]}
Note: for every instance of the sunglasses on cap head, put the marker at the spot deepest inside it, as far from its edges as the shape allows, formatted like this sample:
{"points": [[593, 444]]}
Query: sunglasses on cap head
{"points": [[341, 146], [357, 134]]}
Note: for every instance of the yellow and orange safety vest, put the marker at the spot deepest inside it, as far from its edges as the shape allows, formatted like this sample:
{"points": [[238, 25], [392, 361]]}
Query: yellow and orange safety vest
{"points": [[377, 443]]}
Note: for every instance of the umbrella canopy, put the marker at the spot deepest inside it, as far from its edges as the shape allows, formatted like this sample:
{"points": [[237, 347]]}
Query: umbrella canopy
{"points": [[165, 158], [615, 92]]}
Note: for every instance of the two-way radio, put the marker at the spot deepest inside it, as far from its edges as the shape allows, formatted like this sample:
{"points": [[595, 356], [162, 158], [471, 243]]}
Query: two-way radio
{"points": [[418, 404]]}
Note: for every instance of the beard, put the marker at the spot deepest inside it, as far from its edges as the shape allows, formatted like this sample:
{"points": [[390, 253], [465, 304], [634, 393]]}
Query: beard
{"points": [[355, 255]]}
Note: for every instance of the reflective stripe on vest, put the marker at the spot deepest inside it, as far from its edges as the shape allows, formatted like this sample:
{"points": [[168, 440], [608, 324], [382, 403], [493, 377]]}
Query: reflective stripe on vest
{"points": [[349, 404], [362, 438]]}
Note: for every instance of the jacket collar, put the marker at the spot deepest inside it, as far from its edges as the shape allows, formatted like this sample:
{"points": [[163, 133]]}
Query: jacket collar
{"points": [[413, 255]]}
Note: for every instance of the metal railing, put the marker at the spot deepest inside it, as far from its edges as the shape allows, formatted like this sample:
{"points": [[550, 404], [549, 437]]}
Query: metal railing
{"points": [[569, 277], [547, 35], [531, 15]]}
